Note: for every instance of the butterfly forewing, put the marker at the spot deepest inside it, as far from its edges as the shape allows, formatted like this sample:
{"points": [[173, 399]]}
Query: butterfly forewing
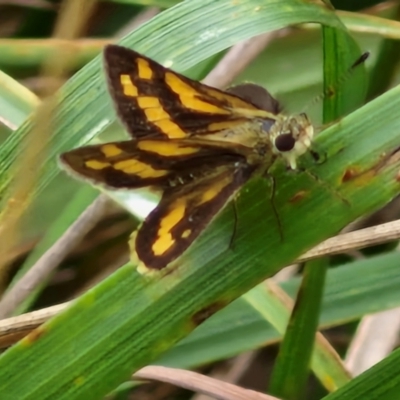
{"points": [[153, 101]]}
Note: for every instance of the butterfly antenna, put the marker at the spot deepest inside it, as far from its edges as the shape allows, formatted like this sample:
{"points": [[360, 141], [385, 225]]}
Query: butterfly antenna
{"points": [[330, 90]]}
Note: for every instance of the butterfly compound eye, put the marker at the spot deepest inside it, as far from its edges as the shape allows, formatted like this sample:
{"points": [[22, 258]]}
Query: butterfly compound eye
{"points": [[285, 142]]}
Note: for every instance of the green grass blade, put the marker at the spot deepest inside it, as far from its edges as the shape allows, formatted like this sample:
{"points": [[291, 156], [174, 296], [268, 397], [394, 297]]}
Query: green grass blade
{"points": [[382, 382], [343, 94], [291, 369], [16, 102], [76, 95], [351, 291], [129, 320]]}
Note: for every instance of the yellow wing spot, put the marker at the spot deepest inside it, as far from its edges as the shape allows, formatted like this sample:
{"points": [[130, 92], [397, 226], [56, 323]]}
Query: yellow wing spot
{"points": [[172, 130], [165, 239], [96, 164], [186, 233], [160, 118], [166, 149], [156, 114], [189, 96], [144, 70], [135, 167], [213, 191], [148, 102], [111, 150], [128, 87]]}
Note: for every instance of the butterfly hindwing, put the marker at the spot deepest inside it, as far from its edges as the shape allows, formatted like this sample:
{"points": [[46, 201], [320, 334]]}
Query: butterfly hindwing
{"points": [[182, 215]]}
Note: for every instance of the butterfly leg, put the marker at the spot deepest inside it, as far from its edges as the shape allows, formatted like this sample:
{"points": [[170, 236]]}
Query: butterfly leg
{"points": [[273, 205], [235, 224]]}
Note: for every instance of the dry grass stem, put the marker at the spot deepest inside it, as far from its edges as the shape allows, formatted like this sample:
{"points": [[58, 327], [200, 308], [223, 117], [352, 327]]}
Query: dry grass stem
{"points": [[355, 240], [237, 59], [53, 256], [199, 383], [377, 335]]}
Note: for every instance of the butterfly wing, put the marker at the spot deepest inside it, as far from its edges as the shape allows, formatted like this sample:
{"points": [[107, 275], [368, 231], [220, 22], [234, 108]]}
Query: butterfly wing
{"points": [[182, 214], [154, 101], [196, 181], [155, 163]]}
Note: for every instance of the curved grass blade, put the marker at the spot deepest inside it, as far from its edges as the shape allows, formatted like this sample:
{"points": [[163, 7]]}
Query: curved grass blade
{"points": [[16, 102], [129, 320], [86, 90], [37, 51], [382, 382]]}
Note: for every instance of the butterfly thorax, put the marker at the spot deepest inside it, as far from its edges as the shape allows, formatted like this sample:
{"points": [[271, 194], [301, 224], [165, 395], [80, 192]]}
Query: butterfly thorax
{"points": [[260, 139]]}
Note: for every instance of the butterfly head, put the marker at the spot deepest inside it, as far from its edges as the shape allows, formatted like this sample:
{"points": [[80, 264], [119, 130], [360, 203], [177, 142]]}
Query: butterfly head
{"points": [[291, 137]]}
